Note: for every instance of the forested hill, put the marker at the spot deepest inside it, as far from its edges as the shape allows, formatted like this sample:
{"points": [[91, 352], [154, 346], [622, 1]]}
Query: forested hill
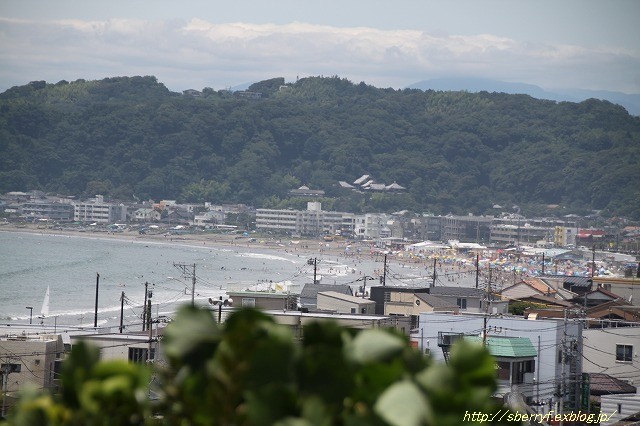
{"points": [[453, 151]]}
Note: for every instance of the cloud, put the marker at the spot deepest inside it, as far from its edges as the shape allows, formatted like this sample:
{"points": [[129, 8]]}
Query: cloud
{"points": [[196, 53]]}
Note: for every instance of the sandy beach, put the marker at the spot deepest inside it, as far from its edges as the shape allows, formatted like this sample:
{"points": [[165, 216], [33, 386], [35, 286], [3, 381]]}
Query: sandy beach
{"points": [[454, 269]]}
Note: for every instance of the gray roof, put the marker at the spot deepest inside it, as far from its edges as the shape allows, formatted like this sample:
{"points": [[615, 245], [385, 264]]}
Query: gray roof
{"points": [[434, 301], [347, 297], [309, 293], [457, 292], [578, 281]]}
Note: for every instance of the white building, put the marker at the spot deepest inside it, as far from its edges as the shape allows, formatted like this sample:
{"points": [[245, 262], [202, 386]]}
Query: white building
{"points": [[614, 351], [133, 347], [147, 215], [209, 218], [344, 303], [371, 226], [97, 211], [313, 221], [619, 407], [546, 336], [28, 360]]}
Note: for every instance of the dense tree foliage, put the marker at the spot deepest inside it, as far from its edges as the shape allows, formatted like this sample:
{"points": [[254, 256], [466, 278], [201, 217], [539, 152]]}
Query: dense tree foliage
{"points": [[454, 151], [251, 371]]}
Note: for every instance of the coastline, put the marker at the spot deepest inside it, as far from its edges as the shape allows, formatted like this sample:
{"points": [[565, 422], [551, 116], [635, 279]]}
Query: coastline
{"points": [[304, 246]]}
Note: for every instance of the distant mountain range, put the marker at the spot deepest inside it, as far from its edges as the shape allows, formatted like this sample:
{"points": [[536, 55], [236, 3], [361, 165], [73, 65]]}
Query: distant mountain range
{"points": [[630, 102]]}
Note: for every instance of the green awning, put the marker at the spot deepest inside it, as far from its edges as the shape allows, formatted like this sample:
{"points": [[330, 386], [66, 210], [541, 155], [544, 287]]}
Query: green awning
{"points": [[508, 347]]}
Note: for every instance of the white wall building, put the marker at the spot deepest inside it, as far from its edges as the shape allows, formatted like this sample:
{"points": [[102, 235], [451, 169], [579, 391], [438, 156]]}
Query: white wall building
{"points": [[344, 303], [313, 221], [614, 351], [618, 407], [546, 336], [97, 211], [371, 226], [127, 346], [27, 360]]}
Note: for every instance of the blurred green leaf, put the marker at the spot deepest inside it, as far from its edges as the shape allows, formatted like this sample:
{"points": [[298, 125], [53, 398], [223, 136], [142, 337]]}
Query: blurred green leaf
{"points": [[403, 404]]}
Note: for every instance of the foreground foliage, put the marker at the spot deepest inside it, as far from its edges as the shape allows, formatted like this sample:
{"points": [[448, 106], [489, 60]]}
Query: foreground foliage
{"points": [[252, 372]]}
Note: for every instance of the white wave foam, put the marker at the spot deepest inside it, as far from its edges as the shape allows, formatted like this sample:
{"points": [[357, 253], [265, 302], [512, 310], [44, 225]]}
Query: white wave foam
{"points": [[267, 257]]}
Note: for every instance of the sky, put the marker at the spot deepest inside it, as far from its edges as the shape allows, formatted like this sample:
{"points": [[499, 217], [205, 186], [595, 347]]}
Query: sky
{"points": [[192, 44]]}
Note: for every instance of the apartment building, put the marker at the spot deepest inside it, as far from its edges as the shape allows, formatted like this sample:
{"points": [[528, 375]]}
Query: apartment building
{"points": [[557, 368], [29, 361], [313, 221], [97, 211], [60, 210]]}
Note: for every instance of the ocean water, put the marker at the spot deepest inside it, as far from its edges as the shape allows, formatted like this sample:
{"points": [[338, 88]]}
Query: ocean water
{"points": [[68, 265]]}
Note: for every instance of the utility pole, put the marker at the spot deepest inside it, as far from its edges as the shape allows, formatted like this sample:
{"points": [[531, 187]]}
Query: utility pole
{"points": [[563, 359], [542, 264], [433, 283], [364, 286], [149, 311], [150, 330], [144, 306], [486, 310], [314, 263], [95, 316], [593, 262], [384, 272], [183, 267], [477, 268], [121, 310], [193, 286], [315, 270]]}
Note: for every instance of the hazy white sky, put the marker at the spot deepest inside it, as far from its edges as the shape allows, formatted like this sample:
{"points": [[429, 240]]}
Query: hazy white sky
{"points": [[585, 44]]}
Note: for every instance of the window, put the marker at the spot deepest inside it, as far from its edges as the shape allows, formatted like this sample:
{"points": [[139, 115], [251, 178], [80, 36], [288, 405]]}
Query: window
{"points": [[519, 370], [504, 370], [624, 353], [139, 355], [462, 303], [248, 302], [353, 310]]}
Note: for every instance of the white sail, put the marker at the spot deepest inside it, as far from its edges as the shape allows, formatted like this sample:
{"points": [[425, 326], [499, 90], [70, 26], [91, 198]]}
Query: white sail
{"points": [[45, 304]]}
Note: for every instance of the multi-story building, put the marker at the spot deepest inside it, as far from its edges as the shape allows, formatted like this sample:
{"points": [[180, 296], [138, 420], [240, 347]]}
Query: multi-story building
{"points": [[372, 226], [613, 350], [465, 228], [558, 362], [60, 210], [565, 236], [517, 230], [97, 211], [313, 221], [28, 361]]}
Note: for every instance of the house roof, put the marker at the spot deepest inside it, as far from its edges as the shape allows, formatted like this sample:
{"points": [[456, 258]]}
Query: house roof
{"points": [[394, 185], [546, 300], [604, 384], [457, 291], [361, 179], [344, 184], [434, 302], [539, 285], [346, 297], [376, 186], [606, 292], [618, 308], [310, 290], [508, 347], [578, 281]]}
